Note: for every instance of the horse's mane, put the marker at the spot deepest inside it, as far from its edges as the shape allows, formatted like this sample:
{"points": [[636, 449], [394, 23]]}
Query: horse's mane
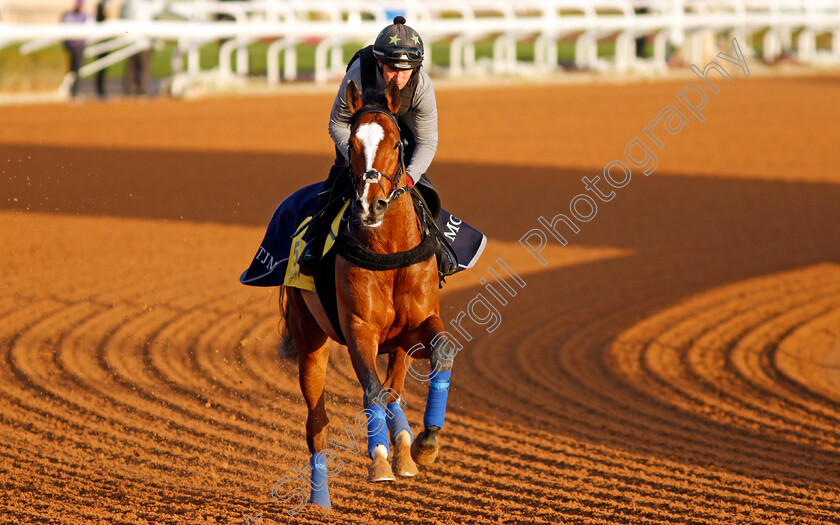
{"points": [[375, 99]]}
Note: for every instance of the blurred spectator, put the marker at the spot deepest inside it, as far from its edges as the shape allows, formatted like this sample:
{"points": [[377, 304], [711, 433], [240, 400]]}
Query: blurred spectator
{"points": [[640, 42], [137, 67], [224, 17], [100, 75], [76, 48]]}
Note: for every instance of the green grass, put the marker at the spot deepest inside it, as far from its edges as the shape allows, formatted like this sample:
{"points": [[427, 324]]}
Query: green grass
{"points": [[45, 68], [40, 70], [524, 51]]}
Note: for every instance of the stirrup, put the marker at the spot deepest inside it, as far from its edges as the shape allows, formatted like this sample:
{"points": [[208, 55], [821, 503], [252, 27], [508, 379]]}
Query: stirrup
{"points": [[447, 262], [308, 261]]}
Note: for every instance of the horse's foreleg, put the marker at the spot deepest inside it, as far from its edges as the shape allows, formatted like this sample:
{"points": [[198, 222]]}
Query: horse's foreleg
{"points": [[398, 427], [363, 345], [313, 355], [312, 376], [425, 448]]}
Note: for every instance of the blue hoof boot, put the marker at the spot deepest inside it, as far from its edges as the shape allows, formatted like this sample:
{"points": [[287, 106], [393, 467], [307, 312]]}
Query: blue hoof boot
{"points": [[320, 494]]}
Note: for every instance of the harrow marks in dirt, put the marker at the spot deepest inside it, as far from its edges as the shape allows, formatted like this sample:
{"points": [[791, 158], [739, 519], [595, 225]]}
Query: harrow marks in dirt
{"points": [[678, 363], [728, 356], [698, 403], [102, 391]]}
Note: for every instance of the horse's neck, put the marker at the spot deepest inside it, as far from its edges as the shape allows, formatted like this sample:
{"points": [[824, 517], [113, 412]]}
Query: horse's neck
{"points": [[399, 231]]}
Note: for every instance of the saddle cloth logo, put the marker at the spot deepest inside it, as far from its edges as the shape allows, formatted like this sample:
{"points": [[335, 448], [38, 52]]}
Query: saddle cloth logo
{"points": [[268, 267], [468, 242]]}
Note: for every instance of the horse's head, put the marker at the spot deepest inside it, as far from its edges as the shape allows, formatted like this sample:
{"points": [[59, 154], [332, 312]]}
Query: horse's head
{"points": [[375, 151]]}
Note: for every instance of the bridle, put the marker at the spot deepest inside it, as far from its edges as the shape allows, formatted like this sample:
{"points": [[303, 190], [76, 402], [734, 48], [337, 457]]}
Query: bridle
{"points": [[373, 175], [358, 253]]}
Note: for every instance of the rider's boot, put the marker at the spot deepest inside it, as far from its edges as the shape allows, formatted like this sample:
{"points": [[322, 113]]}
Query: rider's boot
{"points": [[329, 202], [311, 254]]}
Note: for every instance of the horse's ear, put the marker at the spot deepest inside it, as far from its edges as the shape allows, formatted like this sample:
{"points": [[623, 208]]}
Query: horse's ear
{"points": [[353, 97], [392, 95]]}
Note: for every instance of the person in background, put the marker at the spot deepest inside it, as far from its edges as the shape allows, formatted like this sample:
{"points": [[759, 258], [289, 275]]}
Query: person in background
{"points": [[100, 76], [137, 65], [76, 47]]}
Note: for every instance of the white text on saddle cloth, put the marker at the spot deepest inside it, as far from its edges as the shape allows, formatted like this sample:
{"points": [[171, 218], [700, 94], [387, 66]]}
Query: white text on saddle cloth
{"points": [[452, 227], [267, 259]]}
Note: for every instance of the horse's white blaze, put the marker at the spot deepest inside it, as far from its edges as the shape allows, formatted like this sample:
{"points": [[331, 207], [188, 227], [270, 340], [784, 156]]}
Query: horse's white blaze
{"points": [[370, 134], [363, 198]]}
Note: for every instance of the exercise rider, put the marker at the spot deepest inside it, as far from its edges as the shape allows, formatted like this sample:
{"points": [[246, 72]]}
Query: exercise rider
{"points": [[397, 54]]}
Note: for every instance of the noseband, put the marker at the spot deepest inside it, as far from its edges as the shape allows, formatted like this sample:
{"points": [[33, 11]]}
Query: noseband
{"points": [[373, 175]]}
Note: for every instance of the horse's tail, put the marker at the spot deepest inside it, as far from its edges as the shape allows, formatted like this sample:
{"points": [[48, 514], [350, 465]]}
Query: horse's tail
{"points": [[286, 349]]}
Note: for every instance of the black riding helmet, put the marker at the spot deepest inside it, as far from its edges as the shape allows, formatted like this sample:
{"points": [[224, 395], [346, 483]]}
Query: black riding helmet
{"points": [[399, 46]]}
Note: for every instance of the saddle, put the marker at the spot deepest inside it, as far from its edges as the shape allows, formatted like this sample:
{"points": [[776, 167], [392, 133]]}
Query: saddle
{"points": [[456, 244]]}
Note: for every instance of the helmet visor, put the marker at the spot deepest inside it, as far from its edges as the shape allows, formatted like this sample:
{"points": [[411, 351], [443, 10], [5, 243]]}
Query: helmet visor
{"points": [[403, 53], [405, 57]]}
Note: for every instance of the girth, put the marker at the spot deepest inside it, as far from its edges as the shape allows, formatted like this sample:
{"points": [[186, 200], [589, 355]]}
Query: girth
{"points": [[358, 254]]}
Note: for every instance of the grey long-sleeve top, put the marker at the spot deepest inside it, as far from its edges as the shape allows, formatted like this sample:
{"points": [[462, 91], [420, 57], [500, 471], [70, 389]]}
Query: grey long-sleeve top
{"points": [[421, 119]]}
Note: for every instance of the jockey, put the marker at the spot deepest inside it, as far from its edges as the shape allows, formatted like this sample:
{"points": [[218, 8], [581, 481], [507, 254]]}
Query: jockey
{"points": [[397, 54]]}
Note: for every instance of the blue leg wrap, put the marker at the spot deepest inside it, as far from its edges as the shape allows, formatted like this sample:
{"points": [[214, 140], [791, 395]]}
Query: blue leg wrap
{"points": [[377, 429], [397, 421], [320, 494], [436, 402]]}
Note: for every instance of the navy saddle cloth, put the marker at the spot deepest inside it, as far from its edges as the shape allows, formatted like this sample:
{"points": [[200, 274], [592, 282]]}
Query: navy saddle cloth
{"points": [[268, 268]]}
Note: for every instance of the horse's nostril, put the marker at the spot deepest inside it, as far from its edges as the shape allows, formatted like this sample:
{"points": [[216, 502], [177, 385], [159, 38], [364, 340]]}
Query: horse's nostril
{"points": [[380, 206]]}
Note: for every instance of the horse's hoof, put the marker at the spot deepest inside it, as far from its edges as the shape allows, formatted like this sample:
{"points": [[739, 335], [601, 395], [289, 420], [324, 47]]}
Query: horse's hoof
{"points": [[425, 448], [380, 470], [403, 464]]}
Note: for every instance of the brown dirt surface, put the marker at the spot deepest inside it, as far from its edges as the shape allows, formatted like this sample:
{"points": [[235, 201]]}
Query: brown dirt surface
{"points": [[677, 362]]}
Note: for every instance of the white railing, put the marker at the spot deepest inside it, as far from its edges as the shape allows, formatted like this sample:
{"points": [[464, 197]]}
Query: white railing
{"points": [[684, 24]]}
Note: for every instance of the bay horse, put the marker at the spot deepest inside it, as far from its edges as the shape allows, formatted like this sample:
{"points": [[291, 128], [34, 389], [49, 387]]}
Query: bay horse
{"points": [[393, 311]]}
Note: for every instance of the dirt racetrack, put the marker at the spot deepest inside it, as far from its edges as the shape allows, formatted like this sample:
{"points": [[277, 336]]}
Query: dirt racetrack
{"points": [[678, 362]]}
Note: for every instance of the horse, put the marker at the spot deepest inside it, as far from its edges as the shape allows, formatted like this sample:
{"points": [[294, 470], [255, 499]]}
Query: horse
{"points": [[393, 311]]}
